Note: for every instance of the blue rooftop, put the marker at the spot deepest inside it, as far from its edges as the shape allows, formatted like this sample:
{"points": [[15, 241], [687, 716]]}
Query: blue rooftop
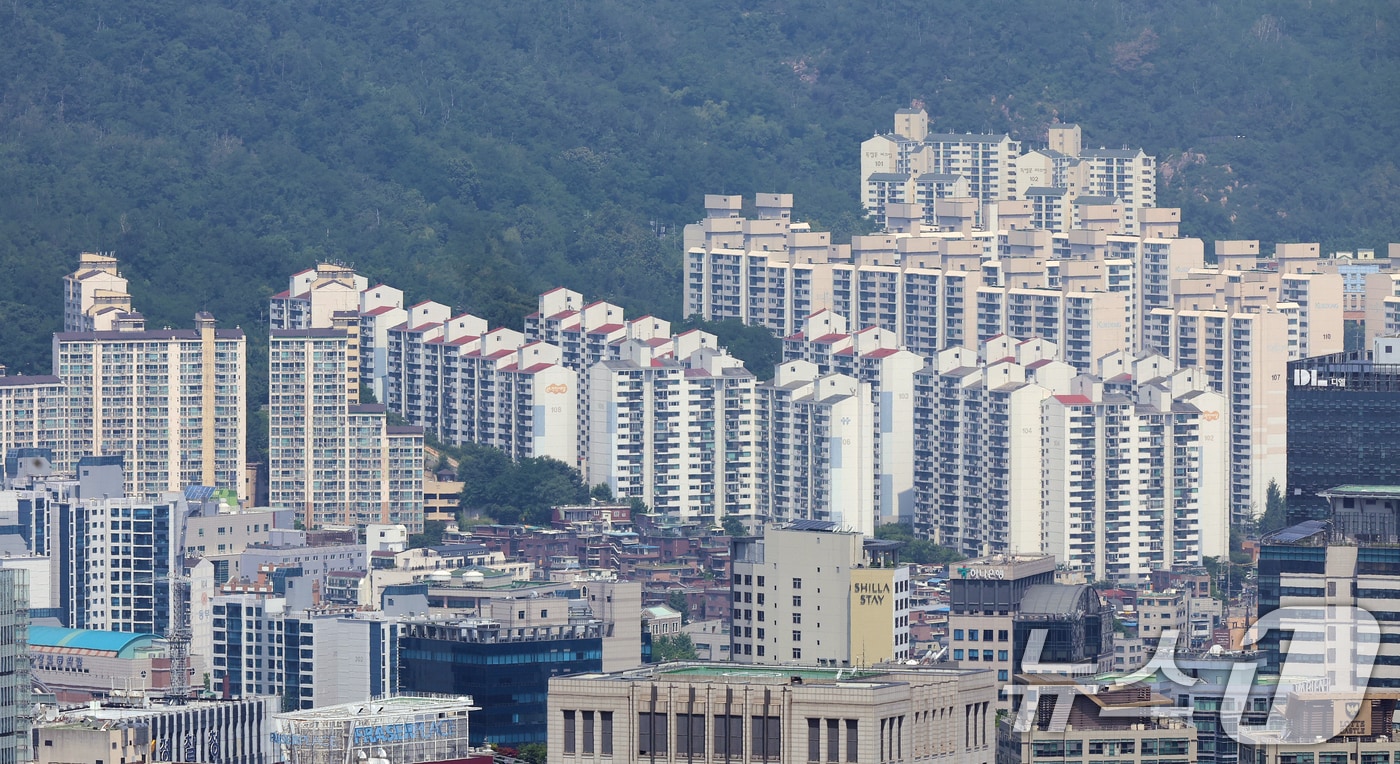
{"points": [[122, 644]]}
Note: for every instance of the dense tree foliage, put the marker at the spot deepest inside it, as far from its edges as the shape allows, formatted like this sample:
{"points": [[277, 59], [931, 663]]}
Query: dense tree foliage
{"points": [[509, 491], [916, 550], [754, 345], [476, 153], [674, 647]]}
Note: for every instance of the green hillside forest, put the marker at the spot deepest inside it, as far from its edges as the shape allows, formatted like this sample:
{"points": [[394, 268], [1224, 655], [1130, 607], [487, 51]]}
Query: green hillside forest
{"points": [[478, 152]]}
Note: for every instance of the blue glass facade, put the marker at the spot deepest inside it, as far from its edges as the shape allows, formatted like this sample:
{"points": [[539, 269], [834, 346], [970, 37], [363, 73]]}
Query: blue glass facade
{"points": [[508, 680]]}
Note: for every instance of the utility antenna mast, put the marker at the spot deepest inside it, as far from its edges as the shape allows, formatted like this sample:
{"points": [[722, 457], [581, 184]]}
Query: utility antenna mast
{"points": [[178, 635]]}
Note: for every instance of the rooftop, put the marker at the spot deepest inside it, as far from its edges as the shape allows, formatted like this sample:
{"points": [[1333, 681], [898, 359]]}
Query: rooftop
{"points": [[117, 644]]}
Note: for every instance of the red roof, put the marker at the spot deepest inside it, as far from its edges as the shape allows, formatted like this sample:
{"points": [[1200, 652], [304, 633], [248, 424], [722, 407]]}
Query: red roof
{"points": [[379, 311], [282, 294], [796, 337], [1037, 364], [538, 368], [1074, 400], [608, 329], [827, 338], [882, 353]]}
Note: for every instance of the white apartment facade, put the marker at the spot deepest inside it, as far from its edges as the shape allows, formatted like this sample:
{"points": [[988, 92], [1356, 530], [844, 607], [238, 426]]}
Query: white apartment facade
{"points": [[676, 431], [314, 295], [1135, 472], [31, 413], [335, 462], [871, 355], [816, 448], [1245, 355]]}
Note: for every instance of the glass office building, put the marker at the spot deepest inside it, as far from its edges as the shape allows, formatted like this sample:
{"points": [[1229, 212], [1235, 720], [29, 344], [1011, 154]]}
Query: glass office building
{"points": [[1343, 424]]}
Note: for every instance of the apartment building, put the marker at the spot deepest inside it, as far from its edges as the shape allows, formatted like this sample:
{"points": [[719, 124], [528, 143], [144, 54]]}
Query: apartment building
{"points": [[114, 559], [1134, 470], [816, 449], [927, 287], [1382, 306], [31, 413], [170, 402], [871, 355], [813, 593], [314, 296], [675, 429], [977, 446], [309, 657], [335, 462], [699, 712], [95, 294], [1244, 355], [381, 309], [1161, 611]]}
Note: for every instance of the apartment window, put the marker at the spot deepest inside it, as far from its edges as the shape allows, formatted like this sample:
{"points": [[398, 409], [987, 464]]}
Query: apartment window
{"points": [[760, 580], [833, 739], [987, 635], [957, 655], [652, 733], [957, 635], [606, 717], [797, 600], [796, 635], [1002, 635], [588, 732], [972, 634], [797, 618], [797, 583], [797, 653], [814, 739], [852, 740]]}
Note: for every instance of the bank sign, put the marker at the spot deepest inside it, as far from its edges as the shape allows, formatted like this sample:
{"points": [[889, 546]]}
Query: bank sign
{"points": [[983, 574], [399, 733]]}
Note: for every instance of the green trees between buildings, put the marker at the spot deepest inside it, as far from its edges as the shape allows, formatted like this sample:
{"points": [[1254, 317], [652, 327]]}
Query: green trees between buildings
{"points": [[673, 647], [509, 491], [921, 551]]}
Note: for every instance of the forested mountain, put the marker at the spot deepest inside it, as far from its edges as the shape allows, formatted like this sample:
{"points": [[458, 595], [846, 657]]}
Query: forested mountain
{"points": [[477, 152]]}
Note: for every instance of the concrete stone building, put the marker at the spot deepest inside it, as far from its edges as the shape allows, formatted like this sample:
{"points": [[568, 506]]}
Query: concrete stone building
{"points": [[707, 712]]}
